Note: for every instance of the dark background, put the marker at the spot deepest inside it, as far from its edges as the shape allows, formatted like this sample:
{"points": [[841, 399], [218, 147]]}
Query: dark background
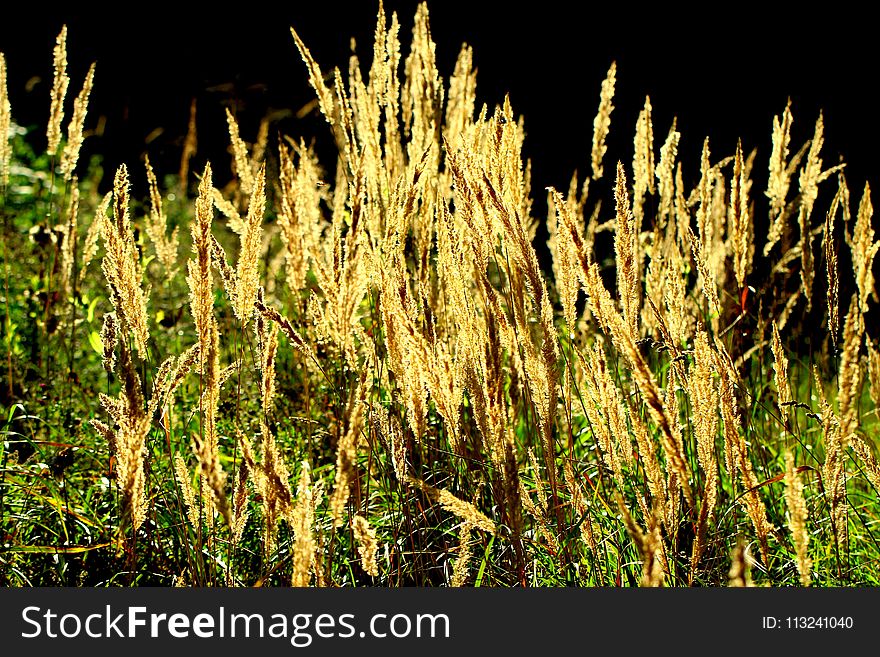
{"points": [[723, 71]]}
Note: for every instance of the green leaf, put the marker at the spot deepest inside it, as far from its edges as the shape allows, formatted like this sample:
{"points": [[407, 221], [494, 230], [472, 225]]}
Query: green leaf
{"points": [[482, 571], [95, 341], [91, 311]]}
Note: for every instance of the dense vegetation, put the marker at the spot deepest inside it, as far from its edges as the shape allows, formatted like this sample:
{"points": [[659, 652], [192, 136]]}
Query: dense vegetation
{"points": [[364, 374]]}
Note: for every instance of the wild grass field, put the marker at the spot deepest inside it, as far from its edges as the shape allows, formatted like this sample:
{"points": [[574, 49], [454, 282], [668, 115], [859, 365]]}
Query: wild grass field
{"points": [[361, 372]]}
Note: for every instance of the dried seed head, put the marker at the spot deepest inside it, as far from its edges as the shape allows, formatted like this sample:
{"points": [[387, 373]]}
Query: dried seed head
{"points": [[460, 568], [346, 456], [181, 474], [5, 125], [214, 476], [268, 342], [833, 469], [869, 461], [69, 242], [60, 83], [457, 507], [121, 266], [200, 280], [850, 369], [128, 437], [833, 295], [602, 122], [707, 274], [780, 175], [740, 229], [367, 544], [93, 234], [241, 161], [665, 173], [704, 397], [648, 544], [247, 273], [736, 450], [239, 502], [643, 160], [157, 227], [626, 249], [612, 323], [797, 519], [302, 523], [75, 129], [780, 367], [316, 79], [864, 250]]}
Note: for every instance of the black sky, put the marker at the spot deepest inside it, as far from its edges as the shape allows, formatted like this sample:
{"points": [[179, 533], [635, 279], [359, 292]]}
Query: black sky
{"points": [[723, 71]]}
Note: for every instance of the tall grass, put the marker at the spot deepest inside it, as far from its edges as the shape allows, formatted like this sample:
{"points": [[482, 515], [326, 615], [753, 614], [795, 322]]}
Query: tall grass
{"points": [[384, 384]]}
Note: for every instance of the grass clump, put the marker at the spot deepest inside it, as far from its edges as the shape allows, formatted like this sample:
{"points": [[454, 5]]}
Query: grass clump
{"points": [[366, 374]]}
